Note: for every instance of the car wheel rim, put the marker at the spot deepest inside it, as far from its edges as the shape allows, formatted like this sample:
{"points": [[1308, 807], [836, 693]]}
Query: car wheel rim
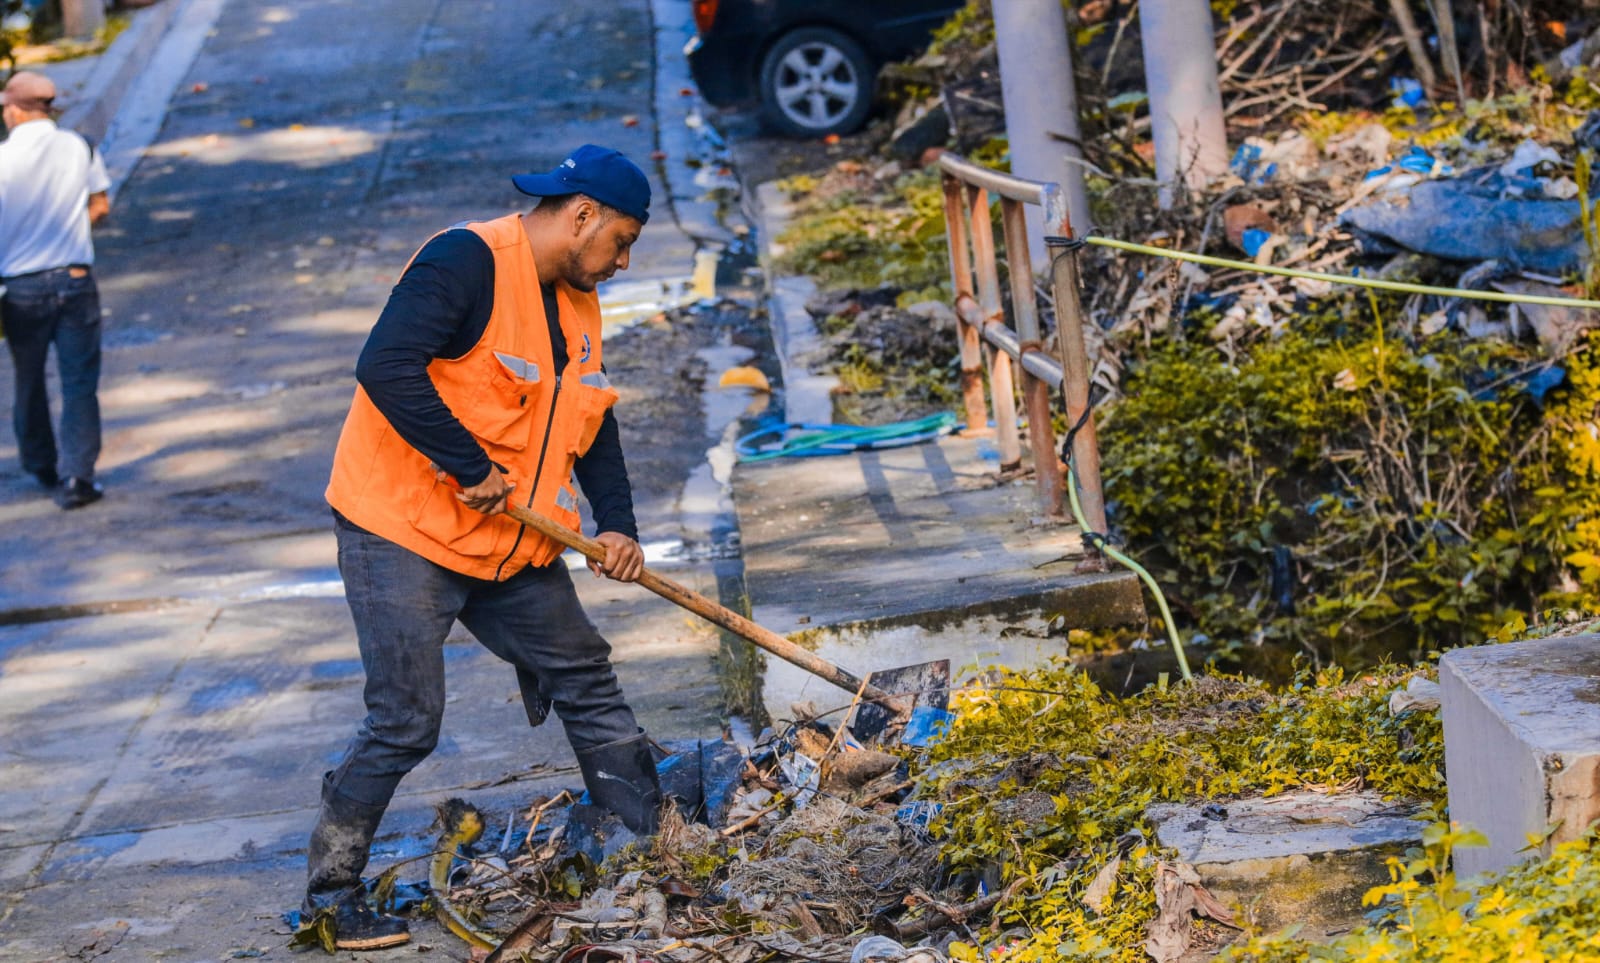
{"points": [[816, 85]]}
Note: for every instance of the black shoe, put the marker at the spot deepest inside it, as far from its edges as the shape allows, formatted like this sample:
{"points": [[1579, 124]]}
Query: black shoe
{"points": [[357, 927], [78, 492], [47, 478]]}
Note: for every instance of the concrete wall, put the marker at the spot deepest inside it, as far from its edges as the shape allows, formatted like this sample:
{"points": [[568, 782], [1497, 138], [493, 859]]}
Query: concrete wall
{"points": [[1522, 744]]}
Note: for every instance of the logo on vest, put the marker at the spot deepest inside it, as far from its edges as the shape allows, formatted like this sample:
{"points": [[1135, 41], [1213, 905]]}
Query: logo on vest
{"points": [[588, 349]]}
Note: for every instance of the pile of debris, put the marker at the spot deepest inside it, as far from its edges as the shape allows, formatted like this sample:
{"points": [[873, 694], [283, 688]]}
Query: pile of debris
{"points": [[806, 847]]}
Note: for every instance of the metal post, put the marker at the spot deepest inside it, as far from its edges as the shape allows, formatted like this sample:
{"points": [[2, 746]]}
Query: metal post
{"points": [[988, 277], [1005, 410], [1035, 392], [1075, 378], [971, 343]]}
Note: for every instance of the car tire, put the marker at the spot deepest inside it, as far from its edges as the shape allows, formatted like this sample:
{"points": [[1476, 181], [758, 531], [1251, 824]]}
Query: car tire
{"points": [[816, 81]]}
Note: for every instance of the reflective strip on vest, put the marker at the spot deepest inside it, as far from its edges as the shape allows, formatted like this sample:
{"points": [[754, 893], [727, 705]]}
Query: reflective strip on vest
{"points": [[520, 368], [596, 379], [567, 500]]}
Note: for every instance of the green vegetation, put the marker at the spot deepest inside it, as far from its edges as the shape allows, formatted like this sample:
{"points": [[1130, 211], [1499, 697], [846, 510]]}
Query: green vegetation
{"points": [[854, 238], [1102, 760], [1543, 911], [1423, 494]]}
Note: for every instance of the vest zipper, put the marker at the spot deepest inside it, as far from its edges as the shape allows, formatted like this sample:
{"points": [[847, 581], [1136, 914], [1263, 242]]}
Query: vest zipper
{"points": [[544, 447]]}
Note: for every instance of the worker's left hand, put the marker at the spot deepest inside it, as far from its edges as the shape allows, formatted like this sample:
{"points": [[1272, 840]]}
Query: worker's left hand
{"points": [[624, 558]]}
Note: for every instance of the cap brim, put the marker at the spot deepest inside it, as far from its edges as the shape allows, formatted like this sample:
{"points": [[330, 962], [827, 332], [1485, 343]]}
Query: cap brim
{"points": [[541, 185]]}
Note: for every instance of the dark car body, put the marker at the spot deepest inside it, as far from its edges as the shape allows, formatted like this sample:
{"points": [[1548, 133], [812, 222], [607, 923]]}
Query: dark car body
{"points": [[726, 58]]}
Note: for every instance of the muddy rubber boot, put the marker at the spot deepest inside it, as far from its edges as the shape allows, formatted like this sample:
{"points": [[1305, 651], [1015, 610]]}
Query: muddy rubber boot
{"points": [[621, 777], [357, 926], [335, 859]]}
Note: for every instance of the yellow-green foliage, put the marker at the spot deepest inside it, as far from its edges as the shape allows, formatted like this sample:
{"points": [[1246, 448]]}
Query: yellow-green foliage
{"points": [[1540, 912], [856, 241], [1425, 499], [1101, 760], [971, 27], [1566, 475]]}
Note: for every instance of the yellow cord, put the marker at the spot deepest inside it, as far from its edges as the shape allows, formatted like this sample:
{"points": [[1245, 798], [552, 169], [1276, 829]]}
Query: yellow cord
{"points": [[1400, 286]]}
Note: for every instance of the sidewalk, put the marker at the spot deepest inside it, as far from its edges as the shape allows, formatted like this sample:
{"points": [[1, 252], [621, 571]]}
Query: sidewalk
{"points": [[881, 559]]}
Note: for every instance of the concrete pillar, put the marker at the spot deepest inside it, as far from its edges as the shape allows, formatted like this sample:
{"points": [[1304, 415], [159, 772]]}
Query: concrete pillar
{"points": [[1041, 105], [83, 19], [1522, 744], [1180, 70]]}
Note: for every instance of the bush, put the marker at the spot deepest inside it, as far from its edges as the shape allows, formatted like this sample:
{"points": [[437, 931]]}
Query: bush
{"points": [[1357, 495]]}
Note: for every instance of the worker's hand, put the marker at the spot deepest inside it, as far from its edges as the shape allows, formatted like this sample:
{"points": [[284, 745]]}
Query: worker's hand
{"points": [[624, 558], [488, 496]]}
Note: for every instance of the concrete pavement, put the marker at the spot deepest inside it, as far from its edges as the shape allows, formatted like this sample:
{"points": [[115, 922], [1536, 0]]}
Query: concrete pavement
{"points": [[176, 663]]}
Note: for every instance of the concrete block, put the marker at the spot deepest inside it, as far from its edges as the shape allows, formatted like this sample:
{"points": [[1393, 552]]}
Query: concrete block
{"points": [[1522, 744], [1304, 858]]}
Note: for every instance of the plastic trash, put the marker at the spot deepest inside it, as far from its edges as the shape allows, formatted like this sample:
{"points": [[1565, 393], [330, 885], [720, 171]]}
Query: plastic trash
{"points": [[803, 775], [1248, 164], [1253, 239], [926, 726], [1470, 218], [1419, 695], [1407, 92], [1527, 158], [915, 817], [878, 948]]}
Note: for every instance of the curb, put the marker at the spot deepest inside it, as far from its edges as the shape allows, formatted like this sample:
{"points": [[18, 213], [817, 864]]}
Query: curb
{"points": [[99, 98], [808, 397]]}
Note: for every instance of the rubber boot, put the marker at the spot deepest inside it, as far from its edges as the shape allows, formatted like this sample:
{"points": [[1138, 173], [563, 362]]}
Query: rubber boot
{"points": [[335, 859], [621, 777]]}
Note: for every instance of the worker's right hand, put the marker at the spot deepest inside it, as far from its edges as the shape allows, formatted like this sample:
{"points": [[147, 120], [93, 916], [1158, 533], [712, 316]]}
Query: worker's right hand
{"points": [[488, 496]]}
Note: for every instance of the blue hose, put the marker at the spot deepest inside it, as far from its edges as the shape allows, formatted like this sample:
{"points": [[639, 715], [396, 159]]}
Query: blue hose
{"points": [[811, 441]]}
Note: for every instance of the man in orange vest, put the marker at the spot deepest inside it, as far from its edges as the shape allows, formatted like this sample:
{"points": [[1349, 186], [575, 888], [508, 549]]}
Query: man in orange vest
{"points": [[480, 383]]}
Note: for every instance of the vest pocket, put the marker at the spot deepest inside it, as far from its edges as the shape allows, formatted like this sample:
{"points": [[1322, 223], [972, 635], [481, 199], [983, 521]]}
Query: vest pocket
{"points": [[594, 396], [442, 518], [502, 413]]}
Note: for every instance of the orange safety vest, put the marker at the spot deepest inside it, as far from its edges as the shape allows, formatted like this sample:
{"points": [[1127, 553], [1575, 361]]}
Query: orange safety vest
{"points": [[531, 415]]}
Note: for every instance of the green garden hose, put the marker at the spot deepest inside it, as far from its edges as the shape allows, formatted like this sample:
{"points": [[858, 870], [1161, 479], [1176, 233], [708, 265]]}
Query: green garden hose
{"points": [[1099, 541]]}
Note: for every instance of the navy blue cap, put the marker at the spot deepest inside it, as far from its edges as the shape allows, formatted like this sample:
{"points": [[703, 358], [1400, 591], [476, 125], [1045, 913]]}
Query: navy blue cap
{"points": [[600, 172]]}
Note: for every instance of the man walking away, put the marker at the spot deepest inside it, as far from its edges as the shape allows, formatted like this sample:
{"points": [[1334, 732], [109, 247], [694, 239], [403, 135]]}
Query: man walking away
{"points": [[482, 382], [52, 187]]}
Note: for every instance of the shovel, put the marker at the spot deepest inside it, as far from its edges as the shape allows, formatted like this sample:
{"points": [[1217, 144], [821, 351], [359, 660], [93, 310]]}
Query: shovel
{"points": [[899, 707]]}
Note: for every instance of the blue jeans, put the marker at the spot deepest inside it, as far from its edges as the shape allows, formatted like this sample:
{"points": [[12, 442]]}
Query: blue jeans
{"points": [[60, 307], [404, 607]]}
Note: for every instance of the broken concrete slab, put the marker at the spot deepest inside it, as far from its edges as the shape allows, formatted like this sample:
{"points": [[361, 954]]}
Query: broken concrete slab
{"points": [[1522, 745], [1301, 857], [884, 558]]}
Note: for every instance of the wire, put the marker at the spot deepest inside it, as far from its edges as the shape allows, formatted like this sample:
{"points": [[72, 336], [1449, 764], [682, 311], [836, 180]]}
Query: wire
{"points": [[1381, 285]]}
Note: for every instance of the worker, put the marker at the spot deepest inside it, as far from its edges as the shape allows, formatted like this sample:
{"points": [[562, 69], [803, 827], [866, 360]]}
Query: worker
{"points": [[480, 383]]}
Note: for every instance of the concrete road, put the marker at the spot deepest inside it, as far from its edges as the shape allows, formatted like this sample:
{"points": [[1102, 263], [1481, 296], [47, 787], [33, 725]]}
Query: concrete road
{"points": [[177, 666]]}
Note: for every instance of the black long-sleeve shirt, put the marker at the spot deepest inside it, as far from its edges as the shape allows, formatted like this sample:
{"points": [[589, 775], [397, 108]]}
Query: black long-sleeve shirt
{"points": [[439, 309]]}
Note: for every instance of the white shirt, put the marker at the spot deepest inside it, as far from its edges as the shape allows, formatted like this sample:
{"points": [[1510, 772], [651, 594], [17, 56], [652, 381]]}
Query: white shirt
{"points": [[46, 177]]}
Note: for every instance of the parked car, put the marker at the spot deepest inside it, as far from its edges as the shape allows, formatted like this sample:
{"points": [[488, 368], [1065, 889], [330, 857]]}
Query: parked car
{"points": [[812, 64]]}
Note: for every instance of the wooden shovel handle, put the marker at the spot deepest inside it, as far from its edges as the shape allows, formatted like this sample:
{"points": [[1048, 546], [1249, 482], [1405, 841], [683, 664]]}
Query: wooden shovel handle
{"points": [[717, 614]]}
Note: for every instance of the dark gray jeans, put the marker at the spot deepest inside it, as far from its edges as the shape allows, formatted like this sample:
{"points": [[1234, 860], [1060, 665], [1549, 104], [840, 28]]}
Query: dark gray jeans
{"points": [[53, 307], [404, 606]]}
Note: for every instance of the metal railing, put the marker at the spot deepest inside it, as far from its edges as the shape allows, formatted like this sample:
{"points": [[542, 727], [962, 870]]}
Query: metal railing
{"points": [[1014, 339]]}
